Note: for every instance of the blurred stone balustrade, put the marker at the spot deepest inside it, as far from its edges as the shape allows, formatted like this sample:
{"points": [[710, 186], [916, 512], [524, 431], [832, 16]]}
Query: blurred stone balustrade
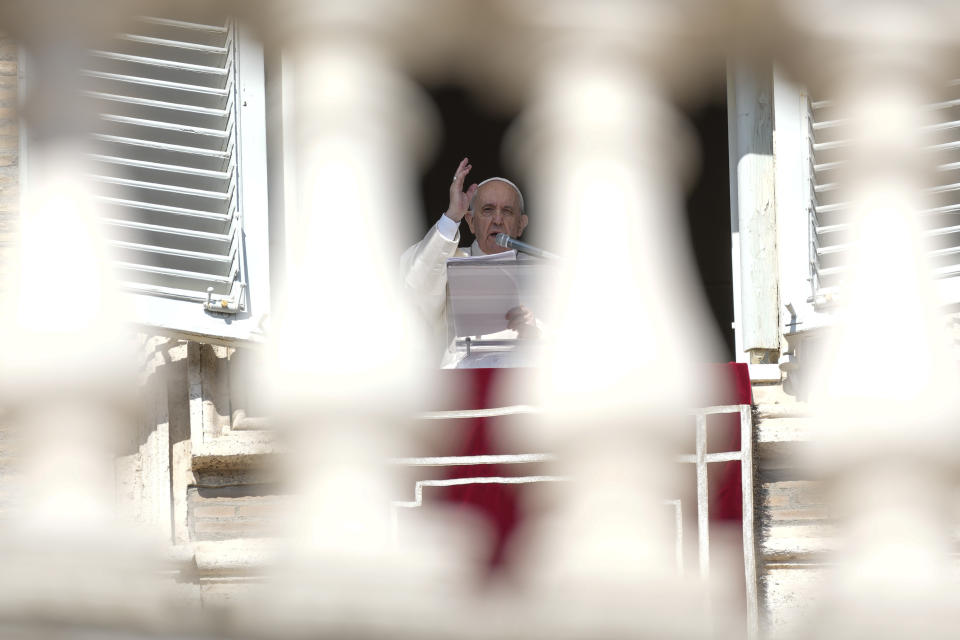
{"points": [[159, 478]]}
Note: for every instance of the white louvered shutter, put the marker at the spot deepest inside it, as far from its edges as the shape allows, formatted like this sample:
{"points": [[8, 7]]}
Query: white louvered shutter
{"points": [[830, 218], [179, 166]]}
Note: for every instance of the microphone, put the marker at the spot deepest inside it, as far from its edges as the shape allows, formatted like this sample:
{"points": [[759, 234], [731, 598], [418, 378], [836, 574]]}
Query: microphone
{"points": [[507, 242]]}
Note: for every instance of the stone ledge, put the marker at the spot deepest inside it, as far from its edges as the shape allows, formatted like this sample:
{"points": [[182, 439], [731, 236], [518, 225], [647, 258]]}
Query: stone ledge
{"points": [[787, 429], [793, 593], [783, 441], [786, 410], [244, 556], [228, 453], [249, 555], [793, 543]]}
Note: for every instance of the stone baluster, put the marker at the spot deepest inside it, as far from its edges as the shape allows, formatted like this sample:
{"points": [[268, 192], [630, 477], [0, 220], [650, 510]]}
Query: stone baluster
{"points": [[606, 153], [348, 365], [886, 388], [67, 363]]}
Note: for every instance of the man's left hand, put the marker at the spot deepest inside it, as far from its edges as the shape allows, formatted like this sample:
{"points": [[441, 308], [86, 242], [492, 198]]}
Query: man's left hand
{"points": [[522, 320]]}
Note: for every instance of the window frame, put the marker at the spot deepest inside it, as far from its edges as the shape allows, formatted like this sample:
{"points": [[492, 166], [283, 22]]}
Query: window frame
{"points": [[798, 312]]}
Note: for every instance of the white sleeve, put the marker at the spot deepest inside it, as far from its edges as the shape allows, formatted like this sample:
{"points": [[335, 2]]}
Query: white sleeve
{"points": [[447, 227]]}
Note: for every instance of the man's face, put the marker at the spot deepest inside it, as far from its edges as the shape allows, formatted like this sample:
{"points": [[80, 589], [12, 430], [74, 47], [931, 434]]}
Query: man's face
{"points": [[496, 209]]}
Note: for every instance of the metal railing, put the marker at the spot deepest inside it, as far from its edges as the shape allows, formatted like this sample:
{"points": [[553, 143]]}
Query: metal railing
{"points": [[700, 459]]}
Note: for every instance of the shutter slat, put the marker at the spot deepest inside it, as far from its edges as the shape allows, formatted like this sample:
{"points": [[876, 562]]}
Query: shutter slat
{"points": [[946, 104], [944, 188], [830, 271], [183, 108], [214, 196], [217, 270], [178, 44], [165, 132], [177, 50], [218, 175], [175, 278], [162, 63], [177, 238], [823, 188], [929, 233], [949, 271], [168, 126], [174, 175], [828, 124], [945, 251], [181, 274], [161, 70], [205, 159], [830, 166], [833, 249], [946, 146], [834, 186], [163, 90], [942, 126], [831, 208], [183, 255], [171, 291], [949, 166], [222, 218], [838, 124], [827, 166], [942, 231], [189, 26], [833, 228], [166, 195], [170, 31], [164, 146], [157, 110], [833, 144], [950, 208], [179, 231], [154, 214]]}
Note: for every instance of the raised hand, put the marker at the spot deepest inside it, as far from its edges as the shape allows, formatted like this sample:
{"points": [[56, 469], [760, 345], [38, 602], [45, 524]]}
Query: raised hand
{"points": [[460, 200]]}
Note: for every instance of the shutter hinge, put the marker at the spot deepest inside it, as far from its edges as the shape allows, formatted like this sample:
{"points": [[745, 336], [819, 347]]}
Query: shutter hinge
{"points": [[824, 300], [223, 304]]}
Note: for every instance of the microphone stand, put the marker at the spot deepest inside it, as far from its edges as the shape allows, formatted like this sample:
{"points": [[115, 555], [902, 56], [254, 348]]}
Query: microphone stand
{"points": [[507, 242]]}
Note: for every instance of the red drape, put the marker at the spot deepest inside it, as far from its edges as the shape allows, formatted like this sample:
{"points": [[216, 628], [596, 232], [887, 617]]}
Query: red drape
{"points": [[499, 502]]}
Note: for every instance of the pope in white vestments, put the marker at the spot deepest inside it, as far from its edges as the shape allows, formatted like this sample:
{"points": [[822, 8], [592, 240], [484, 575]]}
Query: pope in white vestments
{"points": [[491, 207]]}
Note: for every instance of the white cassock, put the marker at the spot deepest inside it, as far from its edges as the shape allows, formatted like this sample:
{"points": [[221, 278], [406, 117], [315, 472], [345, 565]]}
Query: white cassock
{"points": [[424, 269]]}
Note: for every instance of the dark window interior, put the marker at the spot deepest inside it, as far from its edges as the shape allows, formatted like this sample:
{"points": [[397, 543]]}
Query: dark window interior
{"points": [[470, 130]]}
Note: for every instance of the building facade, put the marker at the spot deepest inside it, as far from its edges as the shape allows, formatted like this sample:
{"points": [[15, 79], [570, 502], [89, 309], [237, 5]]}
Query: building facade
{"points": [[230, 158]]}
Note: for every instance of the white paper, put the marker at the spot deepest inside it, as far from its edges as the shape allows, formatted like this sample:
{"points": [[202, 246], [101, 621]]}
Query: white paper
{"points": [[505, 256], [481, 290]]}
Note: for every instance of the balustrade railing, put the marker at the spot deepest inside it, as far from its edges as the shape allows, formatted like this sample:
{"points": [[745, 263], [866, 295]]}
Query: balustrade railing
{"points": [[604, 148]]}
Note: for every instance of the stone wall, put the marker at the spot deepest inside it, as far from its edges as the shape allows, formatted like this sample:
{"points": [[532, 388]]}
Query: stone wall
{"points": [[239, 511], [9, 145], [9, 204], [183, 471], [8, 456], [794, 526]]}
